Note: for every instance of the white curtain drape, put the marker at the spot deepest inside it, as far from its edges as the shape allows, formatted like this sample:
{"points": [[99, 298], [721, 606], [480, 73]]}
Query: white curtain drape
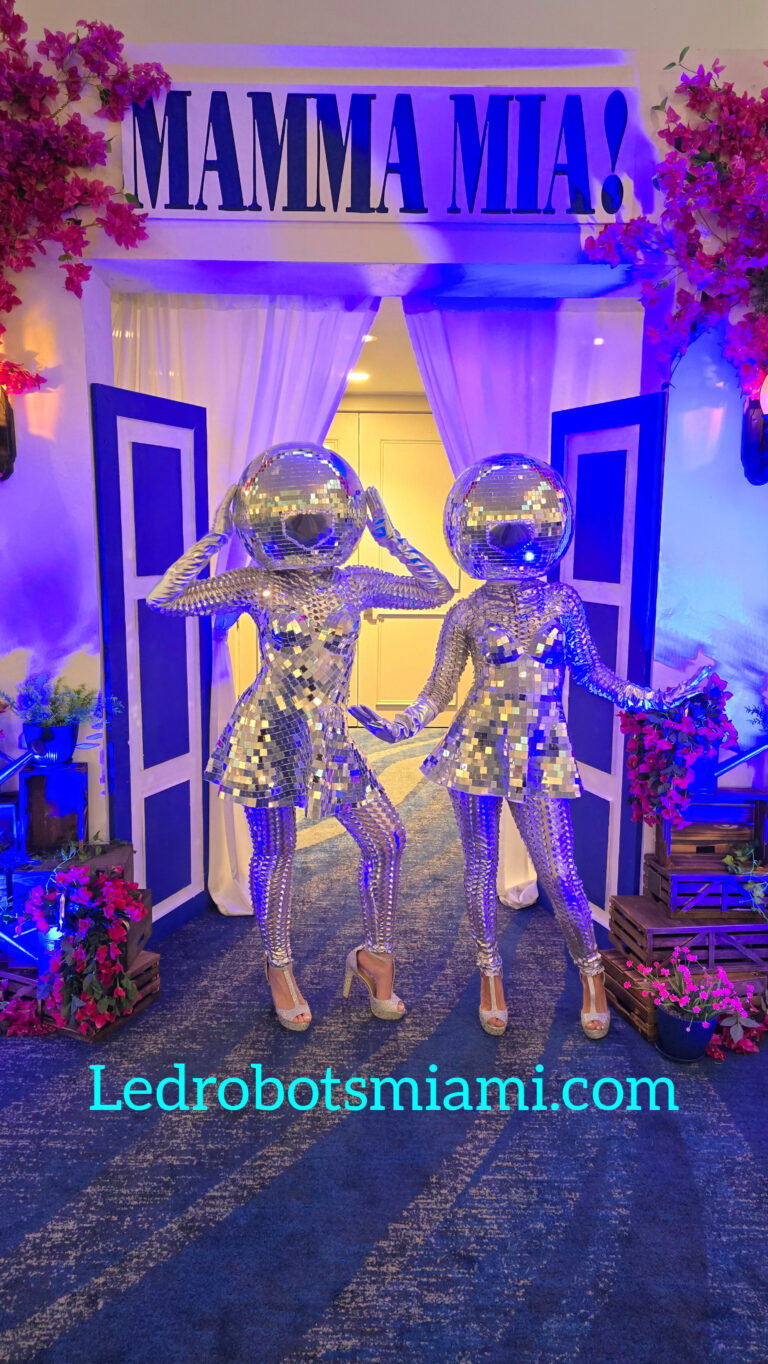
{"points": [[267, 369], [488, 372]]}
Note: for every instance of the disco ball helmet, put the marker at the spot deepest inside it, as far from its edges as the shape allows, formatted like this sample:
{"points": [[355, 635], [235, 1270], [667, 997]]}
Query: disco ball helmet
{"points": [[508, 517], [299, 506]]}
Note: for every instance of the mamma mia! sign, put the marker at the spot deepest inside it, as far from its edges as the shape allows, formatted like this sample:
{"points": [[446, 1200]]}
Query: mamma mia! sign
{"points": [[434, 155]]}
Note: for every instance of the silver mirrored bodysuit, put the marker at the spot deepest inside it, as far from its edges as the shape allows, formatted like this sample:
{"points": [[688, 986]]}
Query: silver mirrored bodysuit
{"points": [[509, 519], [300, 511]]}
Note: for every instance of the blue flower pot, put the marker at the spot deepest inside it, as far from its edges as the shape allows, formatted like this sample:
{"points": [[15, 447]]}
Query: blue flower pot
{"points": [[704, 776], [52, 744], [682, 1039]]}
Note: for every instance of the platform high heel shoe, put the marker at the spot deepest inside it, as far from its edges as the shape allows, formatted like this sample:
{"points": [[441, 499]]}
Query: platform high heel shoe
{"points": [[381, 1008], [288, 1017], [593, 1014], [495, 1029]]}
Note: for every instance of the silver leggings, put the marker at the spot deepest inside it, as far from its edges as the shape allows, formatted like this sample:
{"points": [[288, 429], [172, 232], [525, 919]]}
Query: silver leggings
{"points": [[545, 828], [380, 835]]}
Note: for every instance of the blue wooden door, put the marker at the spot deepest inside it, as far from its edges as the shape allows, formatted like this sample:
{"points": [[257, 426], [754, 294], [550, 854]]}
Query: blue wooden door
{"points": [[611, 456], [152, 503]]}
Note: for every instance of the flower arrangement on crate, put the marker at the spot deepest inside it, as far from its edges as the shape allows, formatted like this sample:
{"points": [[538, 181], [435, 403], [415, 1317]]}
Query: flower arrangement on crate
{"points": [[48, 194], [712, 229], [662, 750], [703, 996], [86, 985]]}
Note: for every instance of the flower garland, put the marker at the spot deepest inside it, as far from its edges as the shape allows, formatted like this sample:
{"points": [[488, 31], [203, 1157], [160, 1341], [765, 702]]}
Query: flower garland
{"points": [[712, 227], [662, 749], [45, 145], [86, 985]]}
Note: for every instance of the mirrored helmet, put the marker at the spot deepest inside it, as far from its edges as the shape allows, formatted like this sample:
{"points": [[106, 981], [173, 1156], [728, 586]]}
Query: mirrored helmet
{"points": [[508, 517], [299, 506]]}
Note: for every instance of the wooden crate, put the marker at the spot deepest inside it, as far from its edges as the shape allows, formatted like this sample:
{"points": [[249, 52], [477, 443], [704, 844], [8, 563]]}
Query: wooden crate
{"points": [[714, 824], [701, 893], [17, 983], [53, 806], [629, 1003], [145, 973], [139, 931], [30, 874], [642, 928]]}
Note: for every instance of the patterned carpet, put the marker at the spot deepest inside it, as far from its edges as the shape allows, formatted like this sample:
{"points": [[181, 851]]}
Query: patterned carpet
{"points": [[378, 1236]]}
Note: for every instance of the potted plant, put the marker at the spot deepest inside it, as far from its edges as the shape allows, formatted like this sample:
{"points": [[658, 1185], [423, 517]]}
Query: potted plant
{"points": [[688, 1000], [83, 920], [51, 713]]}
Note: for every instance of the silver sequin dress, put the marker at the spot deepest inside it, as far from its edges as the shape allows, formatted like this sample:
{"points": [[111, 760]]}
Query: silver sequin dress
{"points": [[510, 737], [286, 743]]}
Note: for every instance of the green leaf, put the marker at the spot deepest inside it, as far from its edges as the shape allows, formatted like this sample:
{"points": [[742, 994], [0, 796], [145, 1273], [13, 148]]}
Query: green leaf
{"points": [[670, 65], [133, 199], [684, 53]]}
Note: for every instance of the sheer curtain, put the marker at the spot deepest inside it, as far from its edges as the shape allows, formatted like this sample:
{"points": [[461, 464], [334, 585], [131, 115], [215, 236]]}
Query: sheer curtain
{"points": [[488, 370], [267, 369]]}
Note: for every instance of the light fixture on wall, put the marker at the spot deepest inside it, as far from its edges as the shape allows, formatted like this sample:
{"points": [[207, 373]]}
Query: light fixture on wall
{"points": [[598, 341], [358, 376], [754, 440], [369, 337], [7, 437]]}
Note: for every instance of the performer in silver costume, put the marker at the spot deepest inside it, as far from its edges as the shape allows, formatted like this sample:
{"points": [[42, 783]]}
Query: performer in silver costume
{"points": [[508, 520], [300, 511]]}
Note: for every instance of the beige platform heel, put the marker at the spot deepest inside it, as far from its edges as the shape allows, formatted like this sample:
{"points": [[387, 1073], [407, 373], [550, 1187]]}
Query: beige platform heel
{"points": [[485, 1015], [288, 1016], [381, 1008], [593, 1014]]}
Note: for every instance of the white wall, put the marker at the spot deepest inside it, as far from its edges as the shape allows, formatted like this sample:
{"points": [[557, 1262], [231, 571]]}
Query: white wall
{"points": [[712, 603], [427, 23], [49, 596]]}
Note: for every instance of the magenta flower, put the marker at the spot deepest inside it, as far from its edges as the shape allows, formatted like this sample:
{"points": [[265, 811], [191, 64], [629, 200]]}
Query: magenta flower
{"points": [[48, 151], [710, 242]]}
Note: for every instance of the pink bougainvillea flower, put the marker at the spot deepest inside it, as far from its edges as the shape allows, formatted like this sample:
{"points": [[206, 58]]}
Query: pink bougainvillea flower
{"points": [[48, 194], [669, 745], [708, 245]]}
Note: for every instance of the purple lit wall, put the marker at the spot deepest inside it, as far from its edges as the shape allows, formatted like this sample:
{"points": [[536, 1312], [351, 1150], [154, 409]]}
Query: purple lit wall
{"points": [[713, 586]]}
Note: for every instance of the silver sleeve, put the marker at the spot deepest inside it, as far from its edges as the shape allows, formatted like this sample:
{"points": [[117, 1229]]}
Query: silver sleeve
{"points": [[587, 667], [450, 660], [426, 586], [178, 592]]}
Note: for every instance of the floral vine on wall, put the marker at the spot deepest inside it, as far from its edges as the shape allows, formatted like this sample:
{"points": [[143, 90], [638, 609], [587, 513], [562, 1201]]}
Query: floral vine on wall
{"points": [[49, 198], [708, 248]]}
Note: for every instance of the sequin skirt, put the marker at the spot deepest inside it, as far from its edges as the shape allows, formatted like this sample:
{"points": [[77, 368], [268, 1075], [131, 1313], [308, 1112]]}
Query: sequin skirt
{"points": [[270, 755], [508, 748]]}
